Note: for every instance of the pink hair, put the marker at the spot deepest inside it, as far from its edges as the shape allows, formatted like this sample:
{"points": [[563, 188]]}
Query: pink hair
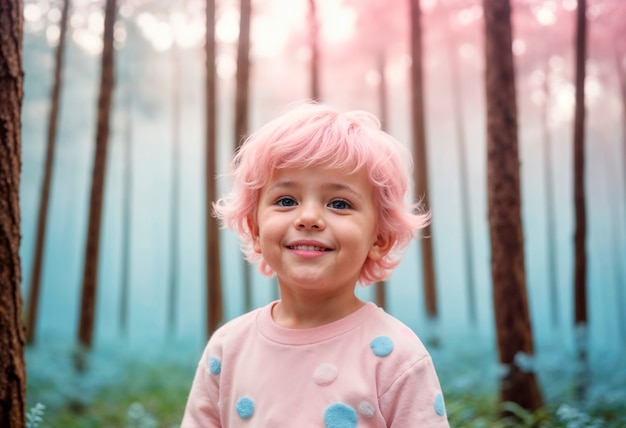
{"points": [[313, 134]]}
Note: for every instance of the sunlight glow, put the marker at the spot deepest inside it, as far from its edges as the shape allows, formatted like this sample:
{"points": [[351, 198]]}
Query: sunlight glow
{"points": [[32, 13], [546, 13], [519, 47], [227, 26], [469, 15], [569, 5], [226, 66], [337, 21], [89, 42], [372, 78], [52, 35], [54, 15], [267, 39], [159, 33]]}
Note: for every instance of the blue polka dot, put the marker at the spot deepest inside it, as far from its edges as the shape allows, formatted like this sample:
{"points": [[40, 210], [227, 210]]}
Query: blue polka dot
{"points": [[382, 346], [245, 407], [215, 365], [339, 415], [440, 407]]}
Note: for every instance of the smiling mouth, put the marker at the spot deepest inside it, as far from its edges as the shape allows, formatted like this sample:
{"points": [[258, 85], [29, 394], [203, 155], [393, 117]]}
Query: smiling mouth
{"points": [[308, 248]]}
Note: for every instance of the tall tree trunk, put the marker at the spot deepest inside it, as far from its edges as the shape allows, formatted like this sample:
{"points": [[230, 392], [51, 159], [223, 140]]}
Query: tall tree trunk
{"points": [[465, 213], [381, 62], [553, 283], [92, 250], [36, 268], [621, 76], [510, 301], [315, 53], [214, 271], [242, 95], [12, 370], [127, 183], [580, 233], [175, 193], [127, 191], [421, 167]]}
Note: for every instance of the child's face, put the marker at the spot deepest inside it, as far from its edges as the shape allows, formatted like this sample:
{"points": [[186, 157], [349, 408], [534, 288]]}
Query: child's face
{"points": [[316, 227]]}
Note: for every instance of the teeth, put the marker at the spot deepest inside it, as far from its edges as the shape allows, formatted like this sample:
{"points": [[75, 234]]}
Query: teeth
{"points": [[308, 248]]}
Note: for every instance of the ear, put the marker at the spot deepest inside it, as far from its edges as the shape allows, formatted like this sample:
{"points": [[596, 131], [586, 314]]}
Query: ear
{"points": [[254, 233], [380, 247]]}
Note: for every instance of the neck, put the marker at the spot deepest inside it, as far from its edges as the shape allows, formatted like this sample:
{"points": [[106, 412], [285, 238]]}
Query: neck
{"points": [[313, 311]]}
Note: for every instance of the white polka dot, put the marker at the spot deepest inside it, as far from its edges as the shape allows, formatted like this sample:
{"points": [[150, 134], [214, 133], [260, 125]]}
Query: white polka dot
{"points": [[366, 409], [325, 374]]}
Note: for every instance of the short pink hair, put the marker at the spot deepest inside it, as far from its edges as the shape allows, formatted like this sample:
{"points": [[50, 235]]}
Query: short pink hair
{"points": [[314, 134]]}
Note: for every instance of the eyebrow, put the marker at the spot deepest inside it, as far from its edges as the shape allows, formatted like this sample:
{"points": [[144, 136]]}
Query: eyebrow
{"points": [[327, 186]]}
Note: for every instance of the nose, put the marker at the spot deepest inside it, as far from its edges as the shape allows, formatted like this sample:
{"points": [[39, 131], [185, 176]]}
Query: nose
{"points": [[310, 217]]}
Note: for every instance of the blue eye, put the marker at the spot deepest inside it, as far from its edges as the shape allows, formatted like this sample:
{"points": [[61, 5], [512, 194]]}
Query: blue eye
{"points": [[286, 201], [340, 204]]}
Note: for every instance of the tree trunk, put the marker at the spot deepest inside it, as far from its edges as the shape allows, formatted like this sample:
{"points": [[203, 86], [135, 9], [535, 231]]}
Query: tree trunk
{"points": [[92, 250], [36, 268], [512, 319], [12, 370], [175, 193], [127, 192], [242, 95], [580, 216], [214, 272], [315, 54], [381, 62], [465, 212], [421, 166]]}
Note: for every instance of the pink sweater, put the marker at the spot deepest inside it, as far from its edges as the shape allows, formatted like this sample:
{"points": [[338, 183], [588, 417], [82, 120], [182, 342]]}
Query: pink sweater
{"points": [[365, 370]]}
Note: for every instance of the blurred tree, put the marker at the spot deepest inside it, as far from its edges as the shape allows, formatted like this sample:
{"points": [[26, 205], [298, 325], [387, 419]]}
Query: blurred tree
{"points": [[215, 311], [127, 181], [512, 318], [580, 215], [315, 52], [92, 249], [12, 370], [242, 96], [421, 167], [452, 45], [172, 301], [381, 62], [42, 219]]}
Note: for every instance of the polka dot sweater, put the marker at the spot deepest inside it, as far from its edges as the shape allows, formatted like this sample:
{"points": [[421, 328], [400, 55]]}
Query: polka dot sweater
{"points": [[365, 370]]}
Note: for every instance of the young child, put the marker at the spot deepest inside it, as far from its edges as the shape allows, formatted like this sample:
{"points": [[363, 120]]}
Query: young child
{"points": [[319, 201]]}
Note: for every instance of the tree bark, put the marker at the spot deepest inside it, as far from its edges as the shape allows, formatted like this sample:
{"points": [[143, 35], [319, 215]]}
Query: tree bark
{"points": [[242, 96], [513, 328], [36, 268], [214, 275], [381, 62], [12, 370], [92, 250], [421, 161], [315, 52], [580, 215]]}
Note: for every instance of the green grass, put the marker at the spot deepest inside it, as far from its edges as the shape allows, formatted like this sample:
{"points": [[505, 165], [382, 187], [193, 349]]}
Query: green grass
{"points": [[151, 395]]}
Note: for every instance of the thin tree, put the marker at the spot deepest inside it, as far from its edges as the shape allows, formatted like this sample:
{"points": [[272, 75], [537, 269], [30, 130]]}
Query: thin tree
{"points": [[580, 215], [315, 54], [512, 318], [214, 272], [242, 96], [12, 369], [465, 211], [421, 165], [551, 250], [175, 192], [92, 250], [42, 218], [381, 62], [127, 192]]}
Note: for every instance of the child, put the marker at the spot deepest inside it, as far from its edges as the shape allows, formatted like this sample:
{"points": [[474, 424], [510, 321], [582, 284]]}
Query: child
{"points": [[319, 201]]}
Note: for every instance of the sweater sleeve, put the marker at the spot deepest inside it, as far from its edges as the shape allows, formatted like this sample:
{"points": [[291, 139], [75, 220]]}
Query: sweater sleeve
{"points": [[415, 399], [202, 409]]}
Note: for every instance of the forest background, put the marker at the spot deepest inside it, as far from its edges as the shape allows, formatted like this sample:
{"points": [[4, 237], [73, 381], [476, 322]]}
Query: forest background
{"points": [[125, 124]]}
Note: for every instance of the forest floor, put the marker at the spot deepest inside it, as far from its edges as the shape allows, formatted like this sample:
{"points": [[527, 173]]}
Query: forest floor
{"points": [[121, 390]]}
